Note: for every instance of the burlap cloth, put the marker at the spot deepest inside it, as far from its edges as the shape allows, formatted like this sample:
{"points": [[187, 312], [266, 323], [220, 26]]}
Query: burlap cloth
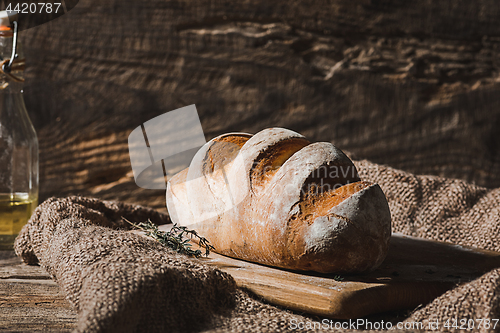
{"points": [[120, 281]]}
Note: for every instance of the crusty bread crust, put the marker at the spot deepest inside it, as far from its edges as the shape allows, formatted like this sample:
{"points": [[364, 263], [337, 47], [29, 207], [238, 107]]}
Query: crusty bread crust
{"points": [[277, 199]]}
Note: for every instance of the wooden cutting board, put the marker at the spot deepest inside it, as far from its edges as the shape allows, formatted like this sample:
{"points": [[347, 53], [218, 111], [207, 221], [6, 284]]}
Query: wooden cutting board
{"points": [[415, 272]]}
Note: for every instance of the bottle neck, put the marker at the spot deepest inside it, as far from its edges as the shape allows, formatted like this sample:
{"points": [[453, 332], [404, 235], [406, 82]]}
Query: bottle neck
{"points": [[10, 82]]}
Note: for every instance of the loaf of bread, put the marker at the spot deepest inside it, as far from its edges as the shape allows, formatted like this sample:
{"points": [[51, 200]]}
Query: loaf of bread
{"points": [[276, 199]]}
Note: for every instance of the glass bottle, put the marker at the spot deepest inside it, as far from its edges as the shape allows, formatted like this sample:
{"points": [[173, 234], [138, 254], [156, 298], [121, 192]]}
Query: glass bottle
{"points": [[18, 145]]}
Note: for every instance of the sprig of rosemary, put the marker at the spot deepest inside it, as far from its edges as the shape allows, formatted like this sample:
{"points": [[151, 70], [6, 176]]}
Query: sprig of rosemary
{"points": [[178, 238], [338, 278]]}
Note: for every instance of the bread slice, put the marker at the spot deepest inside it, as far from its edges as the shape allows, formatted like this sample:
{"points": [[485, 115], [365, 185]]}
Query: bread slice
{"points": [[277, 199]]}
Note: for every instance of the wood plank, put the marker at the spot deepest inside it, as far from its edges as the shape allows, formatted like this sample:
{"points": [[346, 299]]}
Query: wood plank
{"points": [[30, 300]]}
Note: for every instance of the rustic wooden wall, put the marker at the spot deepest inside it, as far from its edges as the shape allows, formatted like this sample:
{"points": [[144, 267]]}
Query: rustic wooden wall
{"points": [[410, 84]]}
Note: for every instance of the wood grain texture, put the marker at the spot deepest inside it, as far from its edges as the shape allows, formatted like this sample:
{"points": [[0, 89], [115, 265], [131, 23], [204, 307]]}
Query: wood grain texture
{"points": [[30, 301], [413, 86]]}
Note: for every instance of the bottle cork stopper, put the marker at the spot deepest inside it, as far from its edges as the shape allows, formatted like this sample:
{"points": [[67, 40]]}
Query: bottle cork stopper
{"points": [[6, 17]]}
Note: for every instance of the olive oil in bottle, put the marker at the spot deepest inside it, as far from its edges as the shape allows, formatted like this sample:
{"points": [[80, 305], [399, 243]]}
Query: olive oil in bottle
{"points": [[15, 210], [18, 141]]}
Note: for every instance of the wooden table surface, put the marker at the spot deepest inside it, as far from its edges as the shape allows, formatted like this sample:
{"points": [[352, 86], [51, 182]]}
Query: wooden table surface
{"points": [[30, 300]]}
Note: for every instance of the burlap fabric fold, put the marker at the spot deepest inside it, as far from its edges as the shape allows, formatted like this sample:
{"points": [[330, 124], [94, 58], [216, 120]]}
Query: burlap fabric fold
{"points": [[122, 282]]}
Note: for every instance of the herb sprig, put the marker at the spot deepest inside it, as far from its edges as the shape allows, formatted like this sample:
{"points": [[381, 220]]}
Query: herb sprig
{"points": [[178, 238]]}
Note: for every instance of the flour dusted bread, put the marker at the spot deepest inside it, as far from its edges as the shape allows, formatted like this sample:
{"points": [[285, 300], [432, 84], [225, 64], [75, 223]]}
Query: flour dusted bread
{"points": [[277, 199]]}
